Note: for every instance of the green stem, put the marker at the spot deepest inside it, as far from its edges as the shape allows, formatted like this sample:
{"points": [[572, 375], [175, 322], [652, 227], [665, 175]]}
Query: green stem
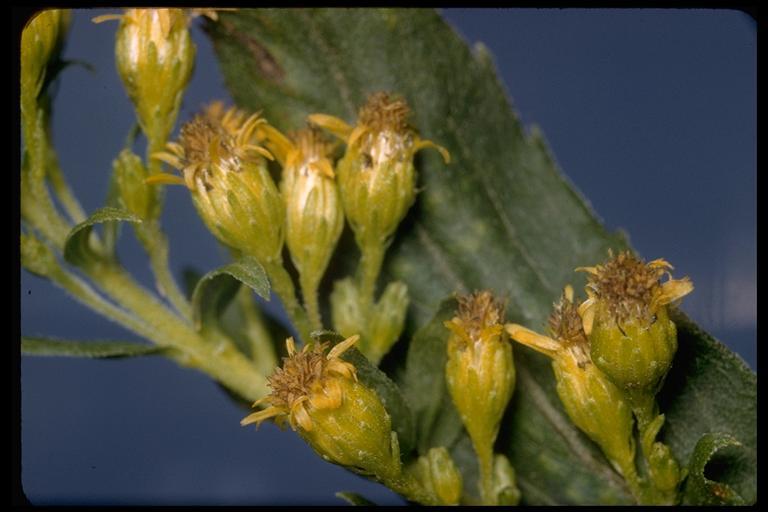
{"points": [[371, 259], [221, 360], [485, 462], [309, 292], [84, 293], [63, 192], [262, 349], [155, 244], [282, 285]]}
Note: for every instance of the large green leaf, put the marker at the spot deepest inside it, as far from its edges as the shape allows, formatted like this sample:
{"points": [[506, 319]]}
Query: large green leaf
{"points": [[500, 216]]}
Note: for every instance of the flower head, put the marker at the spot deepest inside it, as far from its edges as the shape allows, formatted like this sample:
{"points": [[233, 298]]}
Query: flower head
{"points": [[41, 43], [376, 174], [228, 177], [308, 381], [155, 57], [343, 420], [480, 374], [626, 319], [629, 288]]}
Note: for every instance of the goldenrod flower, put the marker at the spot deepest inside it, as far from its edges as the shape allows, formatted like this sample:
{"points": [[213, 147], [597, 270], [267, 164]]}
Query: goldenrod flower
{"points": [[309, 379], [314, 215], [228, 177], [155, 57], [592, 401], [343, 420], [480, 374], [376, 175], [626, 319]]}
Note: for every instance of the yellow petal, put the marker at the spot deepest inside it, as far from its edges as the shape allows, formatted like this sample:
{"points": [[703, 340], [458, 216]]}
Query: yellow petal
{"points": [[536, 341], [168, 158], [673, 290], [322, 167], [106, 17], [260, 150], [591, 270], [280, 144], [258, 417], [300, 416], [342, 347], [422, 144], [333, 124], [164, 179], [291, 346], [568, 292], [587, 313]]}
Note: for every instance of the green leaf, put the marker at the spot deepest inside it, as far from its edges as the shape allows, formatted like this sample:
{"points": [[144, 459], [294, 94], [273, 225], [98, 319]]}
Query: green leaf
{"points": [[214, 291], [423, 383], [706, 474], [355, 499], [80, 247], [501, 216], [92, 349], [391, 396]]}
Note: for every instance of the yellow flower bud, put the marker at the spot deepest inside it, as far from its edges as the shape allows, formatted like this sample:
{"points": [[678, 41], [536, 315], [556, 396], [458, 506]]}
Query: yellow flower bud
{"points": [[590, 399], [155, 57], [315, 217], [136, 196], [438, 475], [230, 184], [41, 41], [341, 419], [626, 319], [376, 176], [480, 374], [480, 371]]}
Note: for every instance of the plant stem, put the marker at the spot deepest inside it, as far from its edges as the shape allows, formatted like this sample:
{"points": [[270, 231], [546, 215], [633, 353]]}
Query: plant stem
{"points": [[371, 259], [282, 285], [155, 244], [309, 292], [262, 349], [219, 359], [484, 453]]}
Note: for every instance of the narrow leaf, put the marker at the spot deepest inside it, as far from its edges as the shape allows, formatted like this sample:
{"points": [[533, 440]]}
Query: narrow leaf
{"points": [[90, 349], [215, 290], [80, 248], [355, 499]]}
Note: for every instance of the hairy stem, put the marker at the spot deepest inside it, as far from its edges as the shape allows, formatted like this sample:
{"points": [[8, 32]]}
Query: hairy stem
{"points": [[282, 285]]}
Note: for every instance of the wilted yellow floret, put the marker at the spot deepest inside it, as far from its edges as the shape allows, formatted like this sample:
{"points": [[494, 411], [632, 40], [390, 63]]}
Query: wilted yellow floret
{"points": [[228, 177], [308, 381]]}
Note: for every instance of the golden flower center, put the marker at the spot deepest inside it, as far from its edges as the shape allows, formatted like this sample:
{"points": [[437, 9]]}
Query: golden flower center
{"points": [[479, 311], [626, 284], [385, 113]]}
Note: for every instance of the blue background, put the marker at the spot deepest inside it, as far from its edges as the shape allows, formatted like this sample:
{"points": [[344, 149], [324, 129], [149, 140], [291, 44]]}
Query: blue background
{"points": [[650, 113]]}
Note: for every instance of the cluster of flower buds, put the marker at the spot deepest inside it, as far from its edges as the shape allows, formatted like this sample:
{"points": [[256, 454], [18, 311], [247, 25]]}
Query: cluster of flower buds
{"points": [[610, 355]]}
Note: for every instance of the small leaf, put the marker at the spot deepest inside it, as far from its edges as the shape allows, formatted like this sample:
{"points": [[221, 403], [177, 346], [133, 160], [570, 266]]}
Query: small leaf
{"points": [[390, 395], [716, 458], [79, 247], [437, 421], [355, 499], [91, 349], [216, 289]]}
